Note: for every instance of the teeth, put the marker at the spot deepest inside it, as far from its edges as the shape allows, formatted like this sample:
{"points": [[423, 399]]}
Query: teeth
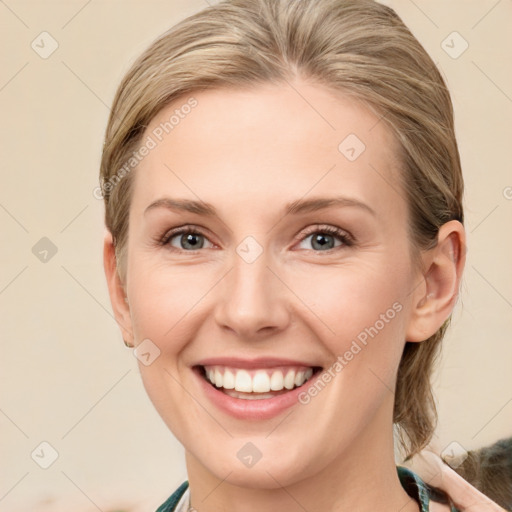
{"points": [[243, 381], [257, 381], [229, 380], [261, 382], [249, 396], [277, 381], [289, 380]]}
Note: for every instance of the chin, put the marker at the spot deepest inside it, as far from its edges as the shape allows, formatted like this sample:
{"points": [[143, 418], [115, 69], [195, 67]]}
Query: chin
{"points": [[274, 469]]}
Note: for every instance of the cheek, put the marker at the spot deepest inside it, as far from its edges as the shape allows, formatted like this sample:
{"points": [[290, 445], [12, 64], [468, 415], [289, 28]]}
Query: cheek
{"points": [[168, 396], [363, 313], [356, 302], [163, 300]]}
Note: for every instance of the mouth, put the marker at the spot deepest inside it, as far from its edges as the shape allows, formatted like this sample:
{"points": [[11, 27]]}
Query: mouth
{"points": [[257, 383]]}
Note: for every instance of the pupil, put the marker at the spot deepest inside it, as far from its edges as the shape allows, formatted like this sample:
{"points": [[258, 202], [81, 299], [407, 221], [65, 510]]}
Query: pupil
{"points": [[191, 239], [323, 240]]}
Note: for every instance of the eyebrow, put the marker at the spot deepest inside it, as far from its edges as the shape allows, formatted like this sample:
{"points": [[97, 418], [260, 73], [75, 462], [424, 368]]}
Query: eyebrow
{"points": [[295, 207]]}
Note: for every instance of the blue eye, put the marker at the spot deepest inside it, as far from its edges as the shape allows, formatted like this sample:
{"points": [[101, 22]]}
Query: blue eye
{"points": [[323, 239], [188, 239]]}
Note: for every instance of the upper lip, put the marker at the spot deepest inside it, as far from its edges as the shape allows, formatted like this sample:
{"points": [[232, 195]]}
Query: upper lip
{"points": [[259, 362]]}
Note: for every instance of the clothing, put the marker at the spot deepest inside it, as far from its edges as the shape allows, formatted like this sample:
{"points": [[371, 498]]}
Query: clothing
{"points": [[178, 502], [415, 487]]}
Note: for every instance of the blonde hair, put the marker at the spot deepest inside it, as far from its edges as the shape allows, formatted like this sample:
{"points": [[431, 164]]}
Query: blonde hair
{"points": [[360, 48]]}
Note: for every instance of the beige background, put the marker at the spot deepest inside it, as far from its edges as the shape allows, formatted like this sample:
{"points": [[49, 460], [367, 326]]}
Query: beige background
{"points": [[66, 377]]}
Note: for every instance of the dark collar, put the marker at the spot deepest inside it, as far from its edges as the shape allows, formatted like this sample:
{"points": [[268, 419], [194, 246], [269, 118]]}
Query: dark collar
{"points": [[413, 485]]}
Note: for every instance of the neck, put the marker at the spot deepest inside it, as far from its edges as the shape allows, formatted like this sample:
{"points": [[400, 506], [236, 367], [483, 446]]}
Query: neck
{"points": [[363, 478]]}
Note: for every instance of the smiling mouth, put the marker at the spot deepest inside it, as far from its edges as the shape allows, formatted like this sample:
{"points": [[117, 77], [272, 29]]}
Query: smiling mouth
{"points": [[257, 384]]}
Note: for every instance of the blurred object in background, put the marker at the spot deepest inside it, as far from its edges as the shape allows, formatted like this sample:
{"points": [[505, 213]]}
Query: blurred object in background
{"points": [[489, 469]]}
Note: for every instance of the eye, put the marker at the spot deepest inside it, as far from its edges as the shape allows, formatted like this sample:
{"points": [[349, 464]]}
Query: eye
{"points": [[185, 239], [323, 238]]}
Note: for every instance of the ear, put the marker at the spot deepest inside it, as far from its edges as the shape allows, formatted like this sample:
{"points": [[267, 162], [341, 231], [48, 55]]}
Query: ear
{"points": [[116, 290], [435, 297]]}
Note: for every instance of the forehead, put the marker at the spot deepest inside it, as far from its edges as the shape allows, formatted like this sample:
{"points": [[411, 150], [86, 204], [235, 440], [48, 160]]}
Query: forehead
{"points": [[271, 142]]}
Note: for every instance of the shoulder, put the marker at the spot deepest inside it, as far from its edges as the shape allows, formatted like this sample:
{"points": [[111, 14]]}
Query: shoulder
{"points": [[172, 501]]}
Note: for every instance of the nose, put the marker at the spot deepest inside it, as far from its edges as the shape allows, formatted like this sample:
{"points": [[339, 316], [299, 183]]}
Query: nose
{"points": [[252, 300]]}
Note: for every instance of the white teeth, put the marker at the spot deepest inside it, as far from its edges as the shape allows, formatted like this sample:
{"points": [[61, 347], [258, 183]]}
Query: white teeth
{"points": [[258, 382], [249, 396], [243, 381], [277, 381], [261, 382], [289, 380], [229, 380], [299, 378]]}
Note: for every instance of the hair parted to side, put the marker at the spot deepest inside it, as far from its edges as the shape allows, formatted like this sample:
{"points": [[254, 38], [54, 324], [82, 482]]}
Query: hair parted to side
{"points": [[357, 47]]}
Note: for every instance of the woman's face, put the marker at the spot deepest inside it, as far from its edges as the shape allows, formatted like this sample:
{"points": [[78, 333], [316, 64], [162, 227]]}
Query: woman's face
{"points": [[297, 265]]}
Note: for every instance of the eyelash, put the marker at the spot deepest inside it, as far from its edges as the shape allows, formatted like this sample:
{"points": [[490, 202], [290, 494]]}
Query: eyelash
{"points": [[346, 239]]}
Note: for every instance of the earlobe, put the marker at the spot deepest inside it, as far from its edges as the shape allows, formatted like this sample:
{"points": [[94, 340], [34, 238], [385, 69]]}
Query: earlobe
{"points": [[434, 300], [116, 290]]}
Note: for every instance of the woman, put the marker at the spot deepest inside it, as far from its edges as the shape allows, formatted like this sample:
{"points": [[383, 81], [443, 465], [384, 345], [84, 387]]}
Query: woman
{"points": [[285, 246]]}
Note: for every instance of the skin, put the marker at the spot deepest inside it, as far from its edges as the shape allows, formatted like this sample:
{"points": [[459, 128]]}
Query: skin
{"points": [[248, 153]]}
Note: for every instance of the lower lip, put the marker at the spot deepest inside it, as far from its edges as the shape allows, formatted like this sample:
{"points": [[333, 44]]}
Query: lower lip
{"points": [[261, 409]]}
